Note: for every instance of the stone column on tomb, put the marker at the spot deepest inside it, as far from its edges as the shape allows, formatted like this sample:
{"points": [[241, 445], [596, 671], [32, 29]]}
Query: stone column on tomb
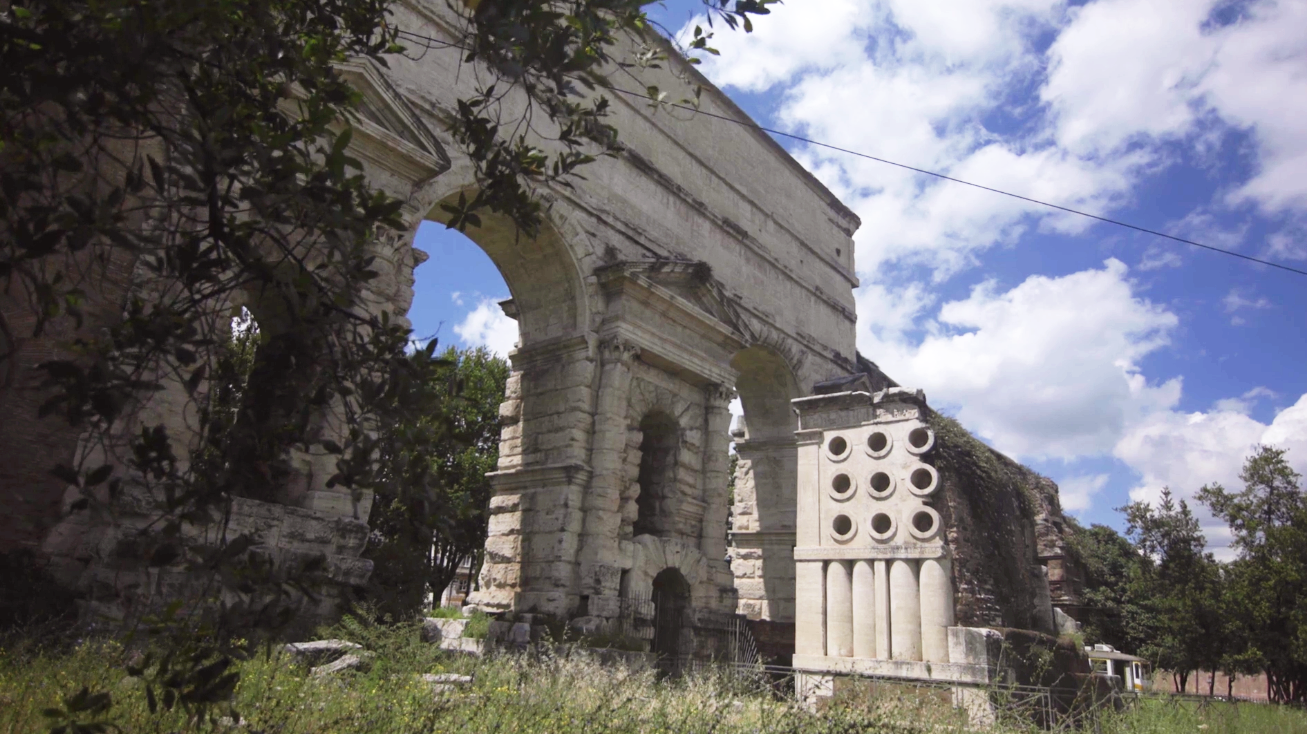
{"points": [[839, 610], [810, 588], [715, 479], [600, 553], [905, 611], [864, 610], [936, 609], [880, 595]]}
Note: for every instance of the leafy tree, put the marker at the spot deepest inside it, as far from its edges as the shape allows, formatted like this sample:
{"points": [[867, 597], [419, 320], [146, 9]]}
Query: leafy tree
{"points": [[1111, 567], [1178, 621], [202, 146], [431, 514], [1268, 520]]}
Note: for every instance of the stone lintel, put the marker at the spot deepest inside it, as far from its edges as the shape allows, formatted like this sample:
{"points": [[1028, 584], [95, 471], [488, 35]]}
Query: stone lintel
{"points": [[904, 669], [536, 477], [762, 539], [840, 553], [547, 352], [848, 409]]}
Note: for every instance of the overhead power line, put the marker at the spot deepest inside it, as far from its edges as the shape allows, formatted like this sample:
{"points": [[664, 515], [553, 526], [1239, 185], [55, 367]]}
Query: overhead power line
{"points": [[886, 161]]}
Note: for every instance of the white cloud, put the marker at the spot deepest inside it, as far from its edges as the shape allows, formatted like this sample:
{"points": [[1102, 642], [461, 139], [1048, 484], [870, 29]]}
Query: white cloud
{"points": [[1185, 451], [1174, 73], [800, 36], [1243, 404], [456, 297], [1046, 369], [1235, 300], [487, 326], [1157, 257], [1077, 493]]}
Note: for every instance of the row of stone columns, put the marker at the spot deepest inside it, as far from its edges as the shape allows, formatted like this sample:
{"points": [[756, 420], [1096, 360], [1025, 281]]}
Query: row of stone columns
{"points": [[897, 609]]}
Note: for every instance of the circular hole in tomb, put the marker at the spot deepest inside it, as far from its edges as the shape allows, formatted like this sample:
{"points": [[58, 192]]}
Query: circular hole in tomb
{"points": [[842, 524], [923, 522], [877, 441], [837, 446], [880, 482], [881, 523], [841, 483], [919, 437], [921, 479]]}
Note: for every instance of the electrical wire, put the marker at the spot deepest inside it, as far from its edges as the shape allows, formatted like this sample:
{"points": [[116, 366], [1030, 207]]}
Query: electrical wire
{"points": [[886, 161]]}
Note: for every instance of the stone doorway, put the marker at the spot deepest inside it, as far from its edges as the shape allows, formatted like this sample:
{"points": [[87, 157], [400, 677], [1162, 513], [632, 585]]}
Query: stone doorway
{"points": [[671, 597]]}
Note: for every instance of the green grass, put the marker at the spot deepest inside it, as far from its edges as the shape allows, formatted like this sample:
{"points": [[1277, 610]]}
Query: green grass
{"points": [[478, 626], [1162, 716], [446, 613], [521, 694]]}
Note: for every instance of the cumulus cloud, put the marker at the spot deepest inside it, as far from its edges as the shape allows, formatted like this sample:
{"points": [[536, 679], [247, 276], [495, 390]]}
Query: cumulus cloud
{"points": [[1076, 104], [1176, 70], [1185, 451], [1046, 369], [487, 326], [1077, 493]]}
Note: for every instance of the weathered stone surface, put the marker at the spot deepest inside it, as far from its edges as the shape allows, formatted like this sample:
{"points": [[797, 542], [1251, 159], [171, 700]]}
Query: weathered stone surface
{"points": [[436, 630], [320, 648], [348, 662]]}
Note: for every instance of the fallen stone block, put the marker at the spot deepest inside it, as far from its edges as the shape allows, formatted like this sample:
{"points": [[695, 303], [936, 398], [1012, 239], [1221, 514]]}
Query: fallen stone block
{"points": [[319, 651], [436, 630], [349, 662]]}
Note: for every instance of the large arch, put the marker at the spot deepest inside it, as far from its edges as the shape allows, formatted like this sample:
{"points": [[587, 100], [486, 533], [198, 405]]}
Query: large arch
{"points": [[542, 272], [763, 512]]}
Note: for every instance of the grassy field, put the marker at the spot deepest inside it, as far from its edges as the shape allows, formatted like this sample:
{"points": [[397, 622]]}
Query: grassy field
{"points": [[545, 695]]}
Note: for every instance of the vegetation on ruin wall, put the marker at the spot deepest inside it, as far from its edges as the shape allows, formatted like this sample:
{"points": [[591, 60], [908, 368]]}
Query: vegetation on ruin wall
{"points": [[542, 695], [995, 537]]}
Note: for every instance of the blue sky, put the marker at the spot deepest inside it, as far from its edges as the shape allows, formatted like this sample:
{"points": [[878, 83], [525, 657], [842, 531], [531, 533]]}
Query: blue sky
{"points": [[1112, 361]]}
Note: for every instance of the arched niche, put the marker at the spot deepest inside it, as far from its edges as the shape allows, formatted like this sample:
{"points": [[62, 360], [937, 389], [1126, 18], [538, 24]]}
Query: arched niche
{"points": [[548, 299], [660, 439]]}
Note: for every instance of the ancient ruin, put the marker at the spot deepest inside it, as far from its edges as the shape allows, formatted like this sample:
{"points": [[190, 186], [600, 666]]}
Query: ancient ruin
{"points": [[702, 264]]}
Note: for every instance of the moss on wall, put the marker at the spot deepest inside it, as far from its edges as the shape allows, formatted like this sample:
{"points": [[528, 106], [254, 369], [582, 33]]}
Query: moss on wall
{"points": [[992, 506]]}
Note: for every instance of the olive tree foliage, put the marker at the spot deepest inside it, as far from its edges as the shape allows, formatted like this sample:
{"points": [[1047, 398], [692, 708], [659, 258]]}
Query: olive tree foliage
{"points": [[1268, 582], [201, 146]]}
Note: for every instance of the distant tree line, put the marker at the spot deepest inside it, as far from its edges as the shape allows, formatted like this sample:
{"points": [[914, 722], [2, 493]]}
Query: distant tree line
{"points": [[1158, 593]]}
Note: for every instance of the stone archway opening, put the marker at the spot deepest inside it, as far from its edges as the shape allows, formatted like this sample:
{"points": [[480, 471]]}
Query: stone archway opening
{"points": [[763, 511], [544, 416], [671, 599]]}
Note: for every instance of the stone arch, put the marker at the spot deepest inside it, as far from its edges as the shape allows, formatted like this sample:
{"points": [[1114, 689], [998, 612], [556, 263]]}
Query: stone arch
{"points": [[544, 276], [651, 555], [671, 599], [674, 423], [763, 515], [766, 385]]}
